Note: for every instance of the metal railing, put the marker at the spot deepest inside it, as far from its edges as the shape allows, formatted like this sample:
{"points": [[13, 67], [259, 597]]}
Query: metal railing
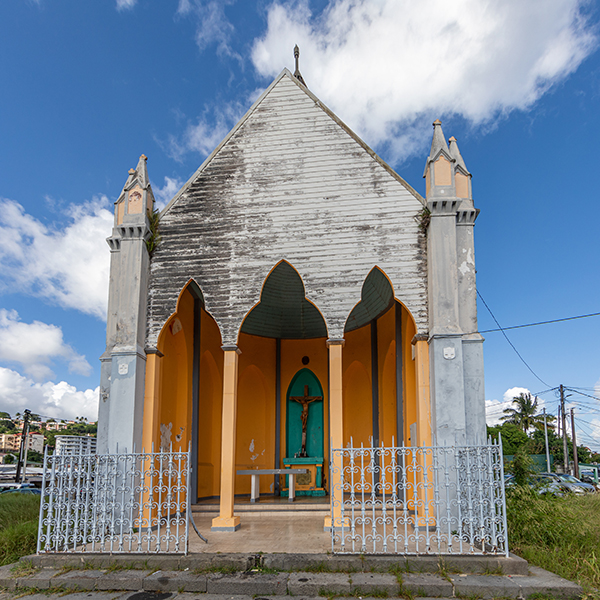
{"points": [[134, 503], [418, 500]]}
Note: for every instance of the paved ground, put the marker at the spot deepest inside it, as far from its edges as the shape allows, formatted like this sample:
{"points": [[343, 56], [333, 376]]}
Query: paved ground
{"points": [[147, 584]]}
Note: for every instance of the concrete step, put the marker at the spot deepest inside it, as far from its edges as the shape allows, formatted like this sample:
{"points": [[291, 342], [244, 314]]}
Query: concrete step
{"points": [[300, 584]]}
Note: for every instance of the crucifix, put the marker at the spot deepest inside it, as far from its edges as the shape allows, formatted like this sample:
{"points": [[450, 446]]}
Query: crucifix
{"points": [[305, 401]]}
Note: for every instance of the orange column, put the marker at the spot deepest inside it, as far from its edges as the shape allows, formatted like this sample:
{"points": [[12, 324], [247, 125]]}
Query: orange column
{"points": [[336, 428], [423, 401], [151, 402], [426, 509], [226, 521]]}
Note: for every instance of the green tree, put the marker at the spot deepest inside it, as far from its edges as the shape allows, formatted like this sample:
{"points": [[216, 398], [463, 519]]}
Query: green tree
{"points": [[7, 426], [513, 438], [4, 415], [33, 456], [521, 467], [524, 415]]}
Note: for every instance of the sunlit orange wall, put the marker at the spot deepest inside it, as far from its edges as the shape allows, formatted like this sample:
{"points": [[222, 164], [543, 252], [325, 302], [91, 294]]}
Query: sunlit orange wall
{"points": [[409, 375], [386, 341], [209, 407], [357, 392], [255, 431], [176, 382], [292, 352]]}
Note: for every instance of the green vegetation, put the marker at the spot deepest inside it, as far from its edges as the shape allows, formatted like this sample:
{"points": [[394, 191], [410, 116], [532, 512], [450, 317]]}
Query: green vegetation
{"points": [[523, 430], [18, 526], [6, 425], [561, 535], [154, 239]]}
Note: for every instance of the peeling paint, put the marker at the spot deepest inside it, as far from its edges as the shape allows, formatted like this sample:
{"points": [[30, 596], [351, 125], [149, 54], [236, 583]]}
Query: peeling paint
{"points": [[290, 183], [165, 436]]}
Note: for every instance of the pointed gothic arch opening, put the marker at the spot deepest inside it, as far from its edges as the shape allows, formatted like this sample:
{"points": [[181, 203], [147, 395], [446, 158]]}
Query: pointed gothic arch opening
{"points": [[379, 378], [184, 386], [283, 334]]}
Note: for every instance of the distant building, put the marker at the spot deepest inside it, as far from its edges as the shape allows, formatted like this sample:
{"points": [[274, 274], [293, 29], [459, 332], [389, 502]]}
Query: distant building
{"points": [[55, 426], [75, 444], [11, 442]]}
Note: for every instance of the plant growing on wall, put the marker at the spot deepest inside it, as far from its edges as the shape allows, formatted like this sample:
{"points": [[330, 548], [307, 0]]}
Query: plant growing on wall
{"points": [[423, 218], [154, 239]]}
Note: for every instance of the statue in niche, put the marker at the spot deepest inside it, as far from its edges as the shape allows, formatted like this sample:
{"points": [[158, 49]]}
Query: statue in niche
{"points": [[304, 401]]}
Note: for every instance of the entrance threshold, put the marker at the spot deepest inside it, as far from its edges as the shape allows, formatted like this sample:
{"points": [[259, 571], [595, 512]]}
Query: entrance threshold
{"points": [[275, 504]]}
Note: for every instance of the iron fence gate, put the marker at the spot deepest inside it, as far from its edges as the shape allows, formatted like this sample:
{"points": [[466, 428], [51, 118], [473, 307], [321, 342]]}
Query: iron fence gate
{"points": [[136, 502], [418, 500]]}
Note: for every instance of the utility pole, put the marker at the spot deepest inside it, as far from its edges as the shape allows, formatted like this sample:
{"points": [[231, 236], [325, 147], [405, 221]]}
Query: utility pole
{"points": [[575, 457], [564, 429], [23, 446], [547, 449]]}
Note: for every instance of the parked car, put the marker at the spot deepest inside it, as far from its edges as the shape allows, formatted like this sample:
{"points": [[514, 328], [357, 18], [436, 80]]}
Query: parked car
{"points": [[542, 483], [588, 487], [34, 491], [548, 483]]}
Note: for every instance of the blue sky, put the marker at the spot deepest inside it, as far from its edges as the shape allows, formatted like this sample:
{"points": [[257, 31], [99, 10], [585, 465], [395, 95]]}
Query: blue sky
{"points": [[86, 87]]}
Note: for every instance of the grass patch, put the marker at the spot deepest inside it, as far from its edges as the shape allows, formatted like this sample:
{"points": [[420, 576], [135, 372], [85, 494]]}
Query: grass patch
{"points": [[225, 570], [19, 515], [23, 568], [561, 535]]}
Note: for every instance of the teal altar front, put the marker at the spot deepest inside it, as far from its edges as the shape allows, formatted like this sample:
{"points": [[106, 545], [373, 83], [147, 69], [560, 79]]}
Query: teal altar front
{"points": [[305, 391], [308, 484]]}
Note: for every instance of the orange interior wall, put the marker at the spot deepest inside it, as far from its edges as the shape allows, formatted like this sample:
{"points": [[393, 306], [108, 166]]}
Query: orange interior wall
{"points": [[255, 431], [210, 407], [386, 341], [292, 352], [409, 375], [357, 391], [176, 381]]}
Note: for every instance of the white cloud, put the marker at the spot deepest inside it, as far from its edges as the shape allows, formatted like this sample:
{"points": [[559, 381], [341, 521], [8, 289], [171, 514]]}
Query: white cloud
{"points": [[68, 266], [57, 400], [212, 25], [204, 135], [35, 346], [389, 67], [162, 195], [126, 4]]}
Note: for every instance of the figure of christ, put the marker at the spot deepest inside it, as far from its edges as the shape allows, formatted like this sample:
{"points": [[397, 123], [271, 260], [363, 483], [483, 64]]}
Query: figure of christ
{"points": [[305, 401]]}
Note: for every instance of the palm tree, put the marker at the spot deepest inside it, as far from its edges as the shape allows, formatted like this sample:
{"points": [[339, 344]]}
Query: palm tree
{"points": [[524, 415]]}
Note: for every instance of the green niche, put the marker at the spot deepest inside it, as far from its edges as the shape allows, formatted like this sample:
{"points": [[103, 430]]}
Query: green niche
{"points": [[314, 424]]}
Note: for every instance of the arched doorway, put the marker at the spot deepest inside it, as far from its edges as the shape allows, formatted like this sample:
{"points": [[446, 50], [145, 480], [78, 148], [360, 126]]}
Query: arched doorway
{"points": [[304, 388], [379, 380], [283, 348], [184, 390]]}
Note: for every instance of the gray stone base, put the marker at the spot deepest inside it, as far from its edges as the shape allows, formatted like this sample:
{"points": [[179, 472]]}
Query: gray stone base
{"points": [[226, 528]]}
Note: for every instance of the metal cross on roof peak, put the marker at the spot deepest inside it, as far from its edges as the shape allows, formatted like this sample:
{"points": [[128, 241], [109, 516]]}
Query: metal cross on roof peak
{"points": [[297, 74]]}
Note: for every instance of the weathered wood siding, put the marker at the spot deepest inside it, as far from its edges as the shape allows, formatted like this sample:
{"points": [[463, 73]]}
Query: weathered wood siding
{"points": [[289, 183]]}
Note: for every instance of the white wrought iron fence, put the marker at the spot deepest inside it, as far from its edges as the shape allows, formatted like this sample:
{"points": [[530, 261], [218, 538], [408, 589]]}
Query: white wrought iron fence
{"points": [[418, 500], [137, 502]]}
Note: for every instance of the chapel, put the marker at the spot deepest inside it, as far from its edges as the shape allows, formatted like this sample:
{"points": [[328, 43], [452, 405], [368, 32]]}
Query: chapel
{"points": [[296, 295]]}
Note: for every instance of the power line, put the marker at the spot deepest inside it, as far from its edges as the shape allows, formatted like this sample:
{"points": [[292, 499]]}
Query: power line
{"points": [[582, 394], [511, 344], [537, 323]]}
